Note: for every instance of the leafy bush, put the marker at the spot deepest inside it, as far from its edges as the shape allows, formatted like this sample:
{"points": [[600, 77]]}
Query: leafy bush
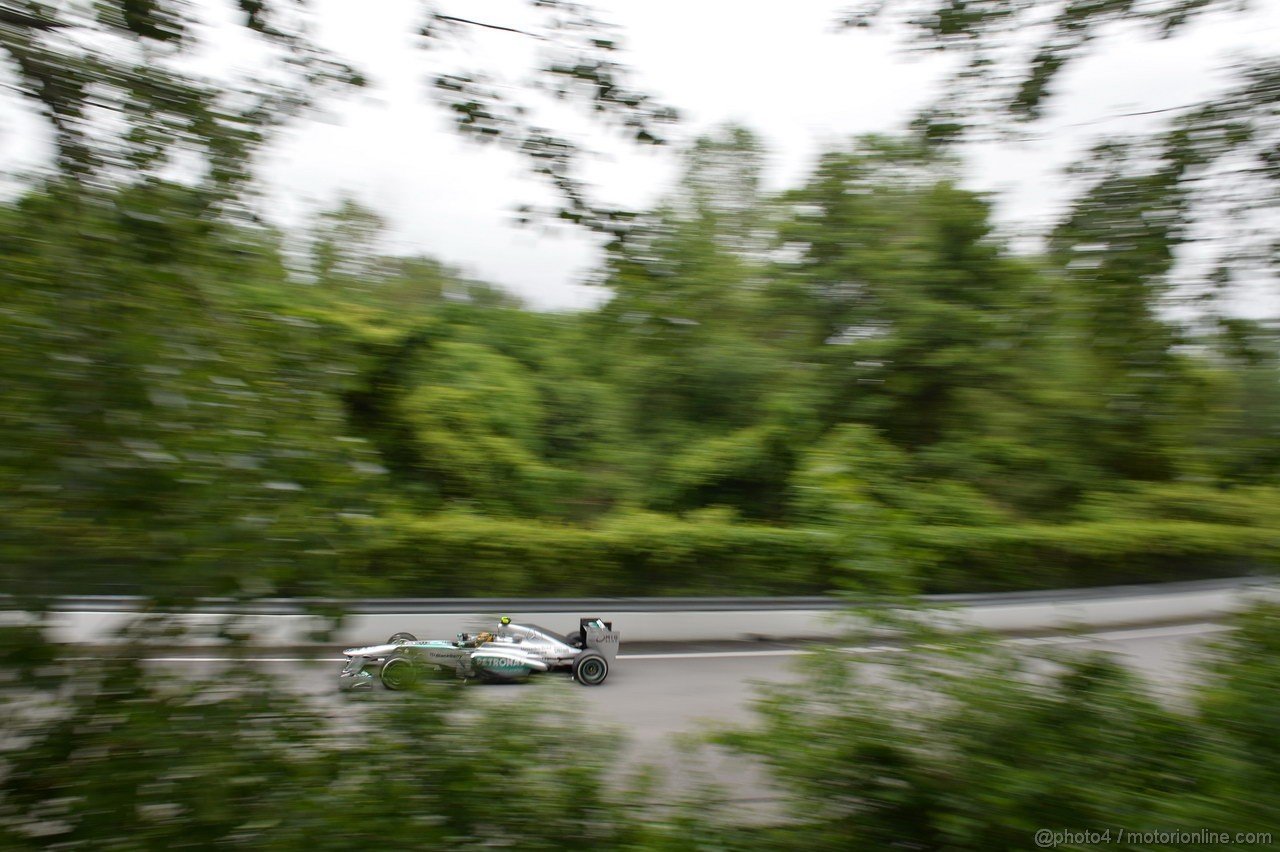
{"points": [[457, 554], [124, 755], [1045, 556], [963, 745], [955, 744], [707, 553]]}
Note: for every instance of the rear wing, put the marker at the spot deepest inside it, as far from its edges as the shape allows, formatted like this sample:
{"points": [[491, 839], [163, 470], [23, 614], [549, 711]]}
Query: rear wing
{"points": [[599, 636]]}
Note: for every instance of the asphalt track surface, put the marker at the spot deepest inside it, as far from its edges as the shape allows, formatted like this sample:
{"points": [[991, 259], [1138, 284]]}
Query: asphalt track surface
{"points": [[660, 696], [660, 689]]}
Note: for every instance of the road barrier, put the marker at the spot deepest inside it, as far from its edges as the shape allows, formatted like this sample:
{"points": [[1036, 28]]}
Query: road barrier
{"points": [[286, 623]]}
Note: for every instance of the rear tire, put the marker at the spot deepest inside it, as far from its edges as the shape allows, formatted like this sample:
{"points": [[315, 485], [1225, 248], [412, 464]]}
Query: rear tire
{"points": [[398, 673], [590, 669]]}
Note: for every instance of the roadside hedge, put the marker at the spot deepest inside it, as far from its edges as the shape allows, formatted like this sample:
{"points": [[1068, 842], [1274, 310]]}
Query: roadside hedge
{"points": [[1043, 556], [459, 555]]}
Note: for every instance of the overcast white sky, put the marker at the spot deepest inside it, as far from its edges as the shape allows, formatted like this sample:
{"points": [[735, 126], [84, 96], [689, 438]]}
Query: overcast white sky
{"points": [[787, 75]]}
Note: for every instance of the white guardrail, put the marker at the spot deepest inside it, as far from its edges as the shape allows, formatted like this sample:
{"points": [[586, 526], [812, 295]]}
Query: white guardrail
{"points": [[284, 623]]}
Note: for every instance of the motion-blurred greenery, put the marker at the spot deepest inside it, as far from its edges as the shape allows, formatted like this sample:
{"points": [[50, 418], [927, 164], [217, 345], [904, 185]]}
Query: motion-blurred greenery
{"points": [[826, 389], [122, 754], [966, 744], [851, 384], [949, 742]]}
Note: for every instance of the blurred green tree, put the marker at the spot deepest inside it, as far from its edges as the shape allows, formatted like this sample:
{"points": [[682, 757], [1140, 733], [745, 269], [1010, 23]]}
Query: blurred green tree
{"points": [[122, 754], [955, 744], [171, 425], [125, 102], [927, 329], [1208, 172]]}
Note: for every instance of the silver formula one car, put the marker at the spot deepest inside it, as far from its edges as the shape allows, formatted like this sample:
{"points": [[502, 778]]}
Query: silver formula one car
{"points": [[512, 652]]}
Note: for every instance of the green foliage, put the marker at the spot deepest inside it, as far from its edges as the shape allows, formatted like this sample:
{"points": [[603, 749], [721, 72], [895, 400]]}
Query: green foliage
{"points": [[1031, 556], [124, 758], [125, 102], [951, 742], [477, 419], [960, 745], [853, 385], [120, 754], [76, 63], [630, 554], [853, 483], [927, 330], [1015, 59], [166, 430], [344, 249], [1238, 700]]}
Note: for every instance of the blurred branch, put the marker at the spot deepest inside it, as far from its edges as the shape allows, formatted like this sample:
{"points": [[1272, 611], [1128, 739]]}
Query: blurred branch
{"points": [[15, 18], [455, 20]]}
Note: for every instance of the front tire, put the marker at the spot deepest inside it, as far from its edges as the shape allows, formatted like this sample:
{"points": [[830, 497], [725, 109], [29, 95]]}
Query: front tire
{"points": [[398, 673], [397, 638], [590, 669]]}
